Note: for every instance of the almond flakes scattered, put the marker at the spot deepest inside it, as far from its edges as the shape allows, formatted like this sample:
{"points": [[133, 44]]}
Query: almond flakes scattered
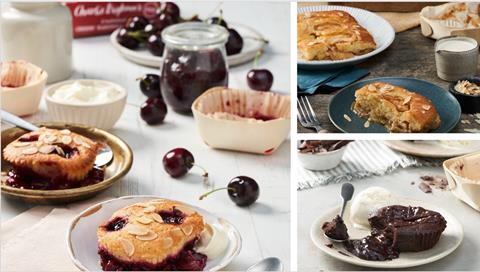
{"points": [[66, 140], [149, 209], [150, 235], [407, 100], [187, 229], [30, 151], [347, 118], [136, 230], [167, 242], [157, 217], [426, 107], [366, 124], [46, 149], [65, 131], [21, 144], [128, 246], [371, 87], [144, 220]]}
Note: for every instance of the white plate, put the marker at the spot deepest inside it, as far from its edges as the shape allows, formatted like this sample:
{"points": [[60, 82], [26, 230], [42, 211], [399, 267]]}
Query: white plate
{"points": [[433, 149], [381, 31], [82, 233], [451, 238], [252, 42]]}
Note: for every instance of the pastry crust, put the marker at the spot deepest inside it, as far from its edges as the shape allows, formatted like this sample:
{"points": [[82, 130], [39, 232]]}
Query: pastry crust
{"points": [[398, 109], [45, 152], [331, 35], [165, 239]]}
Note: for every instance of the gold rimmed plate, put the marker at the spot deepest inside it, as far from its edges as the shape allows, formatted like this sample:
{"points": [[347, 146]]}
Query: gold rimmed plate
{"points": [[119, 167]]}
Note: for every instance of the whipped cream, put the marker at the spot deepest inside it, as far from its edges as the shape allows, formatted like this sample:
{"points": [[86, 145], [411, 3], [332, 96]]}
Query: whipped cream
{"points": [[83, 93], [366, 203], [213, 241]]}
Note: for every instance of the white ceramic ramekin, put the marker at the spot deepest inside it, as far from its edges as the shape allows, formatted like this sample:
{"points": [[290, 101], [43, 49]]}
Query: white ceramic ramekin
{"points": [[24, 100], [321, 161], [99, 115]]}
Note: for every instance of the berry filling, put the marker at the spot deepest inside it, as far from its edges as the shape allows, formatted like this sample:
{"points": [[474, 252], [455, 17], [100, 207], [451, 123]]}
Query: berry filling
{"points": [[30, 138], [26, 179], [68, 152], [175, 216], [116, 224], [186, 259]]}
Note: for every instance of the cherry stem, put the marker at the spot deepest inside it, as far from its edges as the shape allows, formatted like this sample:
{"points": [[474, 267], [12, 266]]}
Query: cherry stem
{"points": [[257, 39], [257, 56], [213, 191], [214, 10], [138, 35], [205, 173]]}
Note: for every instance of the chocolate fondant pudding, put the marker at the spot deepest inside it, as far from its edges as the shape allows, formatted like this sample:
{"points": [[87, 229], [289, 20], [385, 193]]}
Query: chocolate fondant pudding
{"points": [[336, 229], [398, 229]]}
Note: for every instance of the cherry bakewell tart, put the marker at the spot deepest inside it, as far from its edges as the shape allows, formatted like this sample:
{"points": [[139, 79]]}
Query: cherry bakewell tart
{"points": [[154, 235], [51, 159]]}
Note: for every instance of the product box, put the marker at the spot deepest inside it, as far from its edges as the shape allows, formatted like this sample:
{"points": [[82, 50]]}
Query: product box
{"points": [[101, 18]]}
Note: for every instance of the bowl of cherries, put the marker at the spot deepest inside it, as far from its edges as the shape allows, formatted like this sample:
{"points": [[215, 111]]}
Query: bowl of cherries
{"points": [[139, 39]]}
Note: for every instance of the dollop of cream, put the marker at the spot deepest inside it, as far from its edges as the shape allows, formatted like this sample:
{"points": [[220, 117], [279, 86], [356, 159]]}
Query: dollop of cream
{"points": [[83, 93], [213, 241]]}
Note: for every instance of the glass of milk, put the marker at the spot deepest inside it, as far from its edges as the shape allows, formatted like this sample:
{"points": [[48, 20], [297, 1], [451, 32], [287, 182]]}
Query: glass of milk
{"points": [[456, 57]]}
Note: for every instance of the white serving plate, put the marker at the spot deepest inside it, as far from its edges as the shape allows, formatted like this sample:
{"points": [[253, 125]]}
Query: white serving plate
{"points": [[451, 238], [82, 233], [252, 43], [432, 149], [381, 31]]}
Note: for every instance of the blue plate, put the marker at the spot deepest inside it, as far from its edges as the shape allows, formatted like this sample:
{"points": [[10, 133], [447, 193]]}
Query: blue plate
{"points": [[447, 106]]}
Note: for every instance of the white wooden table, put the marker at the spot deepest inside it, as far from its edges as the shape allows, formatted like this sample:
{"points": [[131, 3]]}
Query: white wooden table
{"points": [[265, 225], [312, 203]]}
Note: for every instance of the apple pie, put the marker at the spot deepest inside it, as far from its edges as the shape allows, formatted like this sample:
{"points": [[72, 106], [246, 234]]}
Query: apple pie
{"points": [[398, 109], [331, 35]]}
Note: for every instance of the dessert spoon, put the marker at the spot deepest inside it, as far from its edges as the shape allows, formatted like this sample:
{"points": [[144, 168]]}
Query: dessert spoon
{"points": [[104, 154], [267, 264], [347, 193]]}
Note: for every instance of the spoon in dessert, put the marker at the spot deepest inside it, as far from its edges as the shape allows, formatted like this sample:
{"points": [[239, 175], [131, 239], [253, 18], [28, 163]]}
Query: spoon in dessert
{"points": [[267, 264], [104, 154], [347, 193]]}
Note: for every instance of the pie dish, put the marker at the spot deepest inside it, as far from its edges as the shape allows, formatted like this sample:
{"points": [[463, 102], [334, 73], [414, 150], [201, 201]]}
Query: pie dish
{"points": [[153, 235], [398, 109], [51, 159], [331, 35]]}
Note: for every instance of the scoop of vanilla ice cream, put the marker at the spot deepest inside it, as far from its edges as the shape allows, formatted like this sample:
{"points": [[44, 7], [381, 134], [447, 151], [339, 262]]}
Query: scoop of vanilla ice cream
{"points": [[366, 203]]}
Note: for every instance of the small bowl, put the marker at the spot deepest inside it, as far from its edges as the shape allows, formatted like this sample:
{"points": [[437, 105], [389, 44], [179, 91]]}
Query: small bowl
{"points": [[464, 188], [24, 100], [469, 103], [321, 161], [119, 167], [100, 115], [217, 114]]}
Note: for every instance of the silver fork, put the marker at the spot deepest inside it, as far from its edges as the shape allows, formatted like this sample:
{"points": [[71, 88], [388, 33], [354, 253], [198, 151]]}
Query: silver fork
{"points": [[306, 116]]}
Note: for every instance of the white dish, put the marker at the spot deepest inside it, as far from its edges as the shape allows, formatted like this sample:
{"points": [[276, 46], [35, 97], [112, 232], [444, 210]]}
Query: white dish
{"points": [[381, 31], [82, 233], [252, 43], [102, 115], [321, 161], [451, 238], [432, 149]]}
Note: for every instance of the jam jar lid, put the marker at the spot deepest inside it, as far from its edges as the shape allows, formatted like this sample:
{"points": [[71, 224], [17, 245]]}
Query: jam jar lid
{"points": [[195, 34]]}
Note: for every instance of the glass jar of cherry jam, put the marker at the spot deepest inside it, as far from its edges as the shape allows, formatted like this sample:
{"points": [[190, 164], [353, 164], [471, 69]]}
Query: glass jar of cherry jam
{"points": [[194, 61]]}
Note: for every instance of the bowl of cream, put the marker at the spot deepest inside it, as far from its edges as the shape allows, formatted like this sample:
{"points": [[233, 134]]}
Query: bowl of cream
{"points": [[95, 103]]}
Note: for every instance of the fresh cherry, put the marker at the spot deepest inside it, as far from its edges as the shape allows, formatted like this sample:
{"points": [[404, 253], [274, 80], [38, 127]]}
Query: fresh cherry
{"points": [[242, 190], [153, 111], [163, 21], [260, 79], [149, 30], [235, 42], [127, 40], [136, 23], [155, 44], [217, 21], [150, 85], [169, 8], [177, 162]]}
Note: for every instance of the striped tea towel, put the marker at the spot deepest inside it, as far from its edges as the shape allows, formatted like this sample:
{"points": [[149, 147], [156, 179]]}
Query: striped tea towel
{"points": [[361, 159]]}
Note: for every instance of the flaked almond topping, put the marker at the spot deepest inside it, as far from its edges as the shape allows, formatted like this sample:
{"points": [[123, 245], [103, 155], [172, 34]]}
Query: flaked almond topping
{"points": [[347, 118], [166, 242], [86, 145], [46, 149], [21, 144], [30, 150], [372, 87], [141, 204], [366, 124], [59, 150], [66, 140], [177, 232], [424, 111], [50, 138], [149, 209], [187, 229], [136, 229], [38, 144], [78, 140], [128, 246], [157, 217], [426, 107], [407, 99], [144, 220], [41, 137], [147, 237], [65, 131]]}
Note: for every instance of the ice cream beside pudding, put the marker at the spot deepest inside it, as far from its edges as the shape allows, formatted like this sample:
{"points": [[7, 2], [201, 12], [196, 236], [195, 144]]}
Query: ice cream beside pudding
{"points": [[213, 241], [368, 202]]}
